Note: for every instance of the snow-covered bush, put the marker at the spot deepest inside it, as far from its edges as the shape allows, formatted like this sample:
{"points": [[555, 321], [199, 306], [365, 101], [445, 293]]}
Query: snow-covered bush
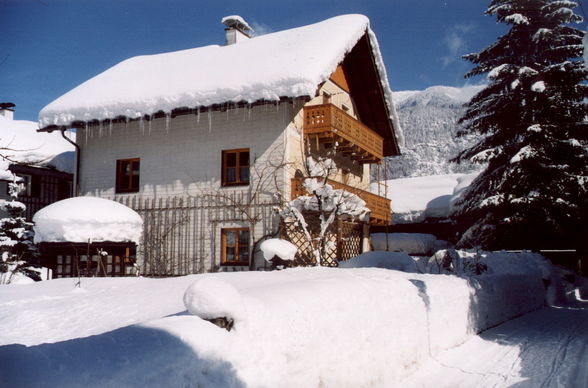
{"points": [[215, 300], [279, 252], [452, 262], [315, 212]]}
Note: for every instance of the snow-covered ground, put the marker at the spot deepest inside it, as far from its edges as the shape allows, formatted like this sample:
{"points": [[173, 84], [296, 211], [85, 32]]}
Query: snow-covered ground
{"points": [[304, 327], [418, 198]]}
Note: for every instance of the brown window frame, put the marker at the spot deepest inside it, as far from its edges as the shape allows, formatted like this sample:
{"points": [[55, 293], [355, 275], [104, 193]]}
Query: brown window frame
{"points": [[235, 262], [124, 182], [238, 179]]}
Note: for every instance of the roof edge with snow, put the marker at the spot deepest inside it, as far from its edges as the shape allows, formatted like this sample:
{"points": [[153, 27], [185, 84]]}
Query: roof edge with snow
{"points": [[206, 76]]}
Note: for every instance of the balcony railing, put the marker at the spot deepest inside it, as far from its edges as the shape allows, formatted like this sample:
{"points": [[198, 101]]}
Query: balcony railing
{"points": [[328, 124], [379, 206]]}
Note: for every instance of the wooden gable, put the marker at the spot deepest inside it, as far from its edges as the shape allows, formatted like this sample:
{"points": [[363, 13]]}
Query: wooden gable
{"points": [[338, 77], [359, 71]]}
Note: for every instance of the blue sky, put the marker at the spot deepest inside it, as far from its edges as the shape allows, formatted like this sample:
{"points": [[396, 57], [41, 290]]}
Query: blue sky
{"points": [[51, 46]]}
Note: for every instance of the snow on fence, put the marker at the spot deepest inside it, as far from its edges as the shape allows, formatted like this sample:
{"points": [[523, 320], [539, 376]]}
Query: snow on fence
{"points": [[182, 235]]}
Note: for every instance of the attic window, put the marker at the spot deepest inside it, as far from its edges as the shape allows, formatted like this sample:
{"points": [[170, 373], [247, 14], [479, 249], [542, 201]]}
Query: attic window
{"points": [[235, 167], [127, 175]]}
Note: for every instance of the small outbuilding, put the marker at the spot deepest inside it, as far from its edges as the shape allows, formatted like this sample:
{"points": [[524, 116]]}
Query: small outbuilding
{"points": [[88, 236]]}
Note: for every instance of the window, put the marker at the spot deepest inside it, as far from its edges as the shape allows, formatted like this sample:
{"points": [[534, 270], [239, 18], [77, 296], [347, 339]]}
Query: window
{"points": [[235, 246], [235, 165], [127, 175]]}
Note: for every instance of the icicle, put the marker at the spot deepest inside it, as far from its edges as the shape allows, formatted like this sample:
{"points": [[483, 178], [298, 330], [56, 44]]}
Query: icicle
{"points": [[110, 127], [249, 112], [100, 129], [86, 133], [167, 120], [142, 125], [209, 122], [198, 119], [150, 122]]}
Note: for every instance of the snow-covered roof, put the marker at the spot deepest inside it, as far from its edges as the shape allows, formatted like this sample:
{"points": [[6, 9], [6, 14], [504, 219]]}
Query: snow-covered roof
{"points": [[83, 219], [26, 145], [288, 63], [417, 198]]}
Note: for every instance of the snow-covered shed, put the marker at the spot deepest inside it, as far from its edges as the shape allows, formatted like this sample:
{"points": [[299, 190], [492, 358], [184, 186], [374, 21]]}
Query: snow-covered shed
{"points": [[202, 129], [88, 236], [43, 163]]}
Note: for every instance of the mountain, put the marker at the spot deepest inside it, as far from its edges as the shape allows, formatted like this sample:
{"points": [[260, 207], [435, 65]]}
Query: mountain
{"points": [[429, 121]]}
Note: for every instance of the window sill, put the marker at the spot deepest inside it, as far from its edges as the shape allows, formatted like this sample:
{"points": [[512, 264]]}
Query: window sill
{"points": [[234, 184]]}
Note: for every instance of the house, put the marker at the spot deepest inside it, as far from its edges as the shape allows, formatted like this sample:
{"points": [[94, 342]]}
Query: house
{"points": [[204, 142], [44, 163]]}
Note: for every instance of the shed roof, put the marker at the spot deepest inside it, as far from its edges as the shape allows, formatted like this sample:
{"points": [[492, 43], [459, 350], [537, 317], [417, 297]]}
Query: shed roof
{"points": [[290, 63]]}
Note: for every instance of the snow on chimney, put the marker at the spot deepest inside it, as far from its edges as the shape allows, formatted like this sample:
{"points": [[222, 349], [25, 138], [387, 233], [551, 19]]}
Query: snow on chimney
{"points": [[237, 29], [7, 110]]}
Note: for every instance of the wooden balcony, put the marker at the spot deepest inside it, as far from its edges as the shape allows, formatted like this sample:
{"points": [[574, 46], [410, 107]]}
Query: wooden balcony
{"points": [[379, 206], [327, 124]]}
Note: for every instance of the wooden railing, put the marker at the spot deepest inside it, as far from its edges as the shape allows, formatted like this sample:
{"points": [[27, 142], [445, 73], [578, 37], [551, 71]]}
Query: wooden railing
{"points": [[328, 124], [379, 206]]}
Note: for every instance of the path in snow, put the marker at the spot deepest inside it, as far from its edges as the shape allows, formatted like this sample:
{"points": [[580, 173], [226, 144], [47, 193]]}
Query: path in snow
{"points": [[546, 348]]}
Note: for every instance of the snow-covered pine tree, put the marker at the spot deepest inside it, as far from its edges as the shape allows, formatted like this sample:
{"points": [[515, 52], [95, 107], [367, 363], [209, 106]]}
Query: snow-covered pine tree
{"points": [[534, 134], [18, 254]]}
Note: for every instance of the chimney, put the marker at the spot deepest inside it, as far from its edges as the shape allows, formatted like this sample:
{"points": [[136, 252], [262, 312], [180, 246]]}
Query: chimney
{"points": [[237, 29], [7, 110]]}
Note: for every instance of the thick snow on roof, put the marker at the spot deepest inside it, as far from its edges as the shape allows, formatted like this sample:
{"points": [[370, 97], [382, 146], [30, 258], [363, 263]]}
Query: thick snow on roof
{"points": [[288, 63], [83, 219], [29, 146]]}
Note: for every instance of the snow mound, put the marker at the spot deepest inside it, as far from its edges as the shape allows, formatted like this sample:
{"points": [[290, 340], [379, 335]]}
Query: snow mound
{"points": [[210, 298], [83, 219], [285, 250]]}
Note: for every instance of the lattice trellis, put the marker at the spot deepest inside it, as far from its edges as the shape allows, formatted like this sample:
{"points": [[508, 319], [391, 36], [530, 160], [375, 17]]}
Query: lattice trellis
{"points": [[345, 236]]}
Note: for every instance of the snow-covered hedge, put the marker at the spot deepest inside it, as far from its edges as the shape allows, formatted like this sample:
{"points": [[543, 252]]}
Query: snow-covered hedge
{"points": [[300, 327]]}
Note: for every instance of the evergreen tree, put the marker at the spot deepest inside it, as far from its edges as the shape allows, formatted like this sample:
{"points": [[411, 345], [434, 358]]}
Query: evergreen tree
{"points": [[531, 119], [18, 254]]}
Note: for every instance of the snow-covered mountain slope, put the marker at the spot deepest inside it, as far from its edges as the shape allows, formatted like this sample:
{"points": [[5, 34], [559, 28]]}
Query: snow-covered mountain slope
{"points": [[429, 121]]}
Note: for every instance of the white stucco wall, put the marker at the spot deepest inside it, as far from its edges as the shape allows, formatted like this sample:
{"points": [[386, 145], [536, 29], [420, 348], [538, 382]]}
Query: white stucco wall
{"points": [[183, 159]]}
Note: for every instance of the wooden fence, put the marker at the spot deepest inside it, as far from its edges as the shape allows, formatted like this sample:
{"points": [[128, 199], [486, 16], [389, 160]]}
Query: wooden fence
{"points": [[181, 235]]}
